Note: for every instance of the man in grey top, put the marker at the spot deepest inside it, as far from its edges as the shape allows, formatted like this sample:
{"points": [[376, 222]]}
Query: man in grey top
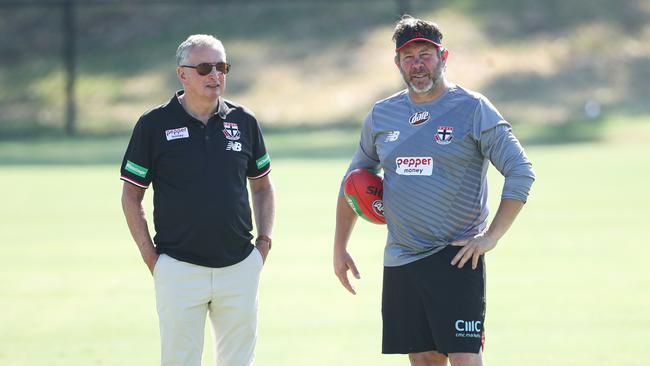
{"points": [[434, 142]]}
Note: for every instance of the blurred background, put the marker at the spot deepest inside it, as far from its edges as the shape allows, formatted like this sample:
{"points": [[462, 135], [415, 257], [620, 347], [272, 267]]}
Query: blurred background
{"points": [[92, 67], [568, 284]]}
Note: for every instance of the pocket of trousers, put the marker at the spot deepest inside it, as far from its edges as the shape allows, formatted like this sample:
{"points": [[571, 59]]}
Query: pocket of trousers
{"points": [[157, 265], [259, 255]]}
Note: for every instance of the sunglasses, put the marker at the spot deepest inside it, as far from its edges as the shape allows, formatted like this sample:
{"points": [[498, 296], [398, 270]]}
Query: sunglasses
{"points": [[206, 67]]}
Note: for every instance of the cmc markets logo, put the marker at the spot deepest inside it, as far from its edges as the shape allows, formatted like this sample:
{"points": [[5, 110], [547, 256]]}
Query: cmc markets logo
{"points": [[419, 118], [468, 328]]}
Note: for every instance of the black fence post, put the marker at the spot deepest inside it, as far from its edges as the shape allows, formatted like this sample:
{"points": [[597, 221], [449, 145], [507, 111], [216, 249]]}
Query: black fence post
{"points": [[69, 50]]}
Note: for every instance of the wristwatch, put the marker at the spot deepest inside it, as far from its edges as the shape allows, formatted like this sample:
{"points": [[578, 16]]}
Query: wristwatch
{"points": [[264, 238]]}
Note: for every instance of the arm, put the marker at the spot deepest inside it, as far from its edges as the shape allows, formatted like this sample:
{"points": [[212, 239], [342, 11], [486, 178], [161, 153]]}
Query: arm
{"points": [[364, 157], [263, 196], [345, 219], [482, 243], [498, 144], [135, 218]]}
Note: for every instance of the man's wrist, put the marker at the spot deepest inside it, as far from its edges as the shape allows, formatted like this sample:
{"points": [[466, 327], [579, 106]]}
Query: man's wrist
{"points": [[265, 238]]}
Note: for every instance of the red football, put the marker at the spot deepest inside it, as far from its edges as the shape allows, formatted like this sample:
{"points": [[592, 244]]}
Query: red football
{"points": [[364, 192]]}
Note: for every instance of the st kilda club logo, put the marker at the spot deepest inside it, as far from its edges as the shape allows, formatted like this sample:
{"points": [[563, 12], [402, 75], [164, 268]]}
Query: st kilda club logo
{"points": [[419, 118], [231, 131], [378, 204], [444, 135]]}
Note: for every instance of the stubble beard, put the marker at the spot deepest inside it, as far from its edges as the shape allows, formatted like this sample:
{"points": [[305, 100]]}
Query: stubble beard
{"points": [[433, 81]]}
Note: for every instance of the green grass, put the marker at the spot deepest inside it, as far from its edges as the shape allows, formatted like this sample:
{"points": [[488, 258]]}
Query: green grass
{"points": [[567, 285]]}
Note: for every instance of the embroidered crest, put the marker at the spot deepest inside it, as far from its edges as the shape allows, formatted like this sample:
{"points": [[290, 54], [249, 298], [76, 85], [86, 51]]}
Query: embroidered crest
{"points": [[231, 131], [444, 135]]}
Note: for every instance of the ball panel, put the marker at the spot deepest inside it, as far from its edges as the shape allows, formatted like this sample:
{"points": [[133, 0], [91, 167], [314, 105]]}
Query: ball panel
{"points": [[352, 201], [363, 191]]}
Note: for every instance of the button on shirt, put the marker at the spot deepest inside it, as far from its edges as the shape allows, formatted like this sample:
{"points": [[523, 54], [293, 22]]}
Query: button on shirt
{"points": [[199, 174]]}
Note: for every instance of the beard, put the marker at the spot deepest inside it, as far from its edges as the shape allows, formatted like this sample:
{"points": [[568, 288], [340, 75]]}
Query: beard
{"points": [[434, 79]]}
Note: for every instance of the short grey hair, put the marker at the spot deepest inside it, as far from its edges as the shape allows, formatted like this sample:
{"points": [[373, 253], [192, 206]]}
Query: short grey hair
{"points": [[195, 41]]}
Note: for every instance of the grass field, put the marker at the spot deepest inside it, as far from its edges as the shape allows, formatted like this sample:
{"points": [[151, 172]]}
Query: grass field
{"points": [[567, 286]]}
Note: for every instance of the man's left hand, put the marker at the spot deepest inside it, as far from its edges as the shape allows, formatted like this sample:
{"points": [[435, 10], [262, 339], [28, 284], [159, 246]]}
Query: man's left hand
{"points": [[472, 248]]}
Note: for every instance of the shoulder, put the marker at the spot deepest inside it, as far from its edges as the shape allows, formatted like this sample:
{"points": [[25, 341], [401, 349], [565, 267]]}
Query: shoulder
{"points": [[485, 114], [463, 95], [239, 110], [389, 103], [399, 97], [458, 92], [155, 115]]}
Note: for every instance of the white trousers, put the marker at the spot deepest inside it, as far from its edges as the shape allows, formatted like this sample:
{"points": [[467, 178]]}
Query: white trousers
{"points": [[186, 293]]}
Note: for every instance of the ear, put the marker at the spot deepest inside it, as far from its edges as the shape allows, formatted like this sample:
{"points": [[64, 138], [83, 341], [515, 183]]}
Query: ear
{"points": [[180, 72], [444, 55], [396, 59]]}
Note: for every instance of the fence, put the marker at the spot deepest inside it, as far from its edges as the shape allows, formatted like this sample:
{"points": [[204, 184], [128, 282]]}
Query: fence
{"points": [[73, 14]]}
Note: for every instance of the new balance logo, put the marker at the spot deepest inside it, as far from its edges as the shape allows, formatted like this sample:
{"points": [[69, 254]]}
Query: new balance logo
{"points": [[233, 146], [392, 136]]}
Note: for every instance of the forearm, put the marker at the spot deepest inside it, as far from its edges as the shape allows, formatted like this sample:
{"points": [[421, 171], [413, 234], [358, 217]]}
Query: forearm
{"points": [[264, 210], [137, 223], [505, 216], [345, 220]]}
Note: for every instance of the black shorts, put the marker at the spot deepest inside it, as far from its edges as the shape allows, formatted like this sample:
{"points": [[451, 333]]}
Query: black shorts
{"points": [[430, 305]]}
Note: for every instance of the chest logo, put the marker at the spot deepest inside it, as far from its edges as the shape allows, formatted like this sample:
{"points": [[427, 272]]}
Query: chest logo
{"points": [[419, 118], [233, 146], [444, 135], [177, 133], [392, 136], [421, 165], [231, 131]]}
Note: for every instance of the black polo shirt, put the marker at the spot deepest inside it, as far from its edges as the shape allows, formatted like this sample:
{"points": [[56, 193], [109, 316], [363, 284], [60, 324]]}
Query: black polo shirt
{"points": [[199, 175]]}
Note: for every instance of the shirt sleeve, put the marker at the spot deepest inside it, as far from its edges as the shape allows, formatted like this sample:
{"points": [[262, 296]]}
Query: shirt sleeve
{"points": [[366, 154], [260, 163], [137, 163], [501, 147]]}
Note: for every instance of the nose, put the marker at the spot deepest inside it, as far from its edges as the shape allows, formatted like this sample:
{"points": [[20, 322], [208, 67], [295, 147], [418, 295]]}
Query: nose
{"points": [[215, 73], [417, 60]]}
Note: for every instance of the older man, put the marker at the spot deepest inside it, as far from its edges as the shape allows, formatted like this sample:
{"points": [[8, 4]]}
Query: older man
{"points": [[198, 151]]}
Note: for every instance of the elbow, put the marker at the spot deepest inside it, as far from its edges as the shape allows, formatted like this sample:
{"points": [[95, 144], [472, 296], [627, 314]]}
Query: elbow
{"points": [[517, 187]]}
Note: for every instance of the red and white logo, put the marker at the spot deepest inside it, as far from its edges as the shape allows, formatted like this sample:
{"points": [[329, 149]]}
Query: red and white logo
{"points": [[231, 131], [414, 165], [419, 118], [177, 133], [444, 135]]}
